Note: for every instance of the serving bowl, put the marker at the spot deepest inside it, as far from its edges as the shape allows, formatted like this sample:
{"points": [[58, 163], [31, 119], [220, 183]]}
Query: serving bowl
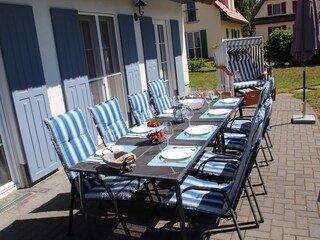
{"points": [[193, 103]]}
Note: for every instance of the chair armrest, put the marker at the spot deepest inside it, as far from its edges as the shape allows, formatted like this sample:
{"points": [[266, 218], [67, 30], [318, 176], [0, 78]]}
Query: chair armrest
{"points": [[226, 70], [228, 159]]}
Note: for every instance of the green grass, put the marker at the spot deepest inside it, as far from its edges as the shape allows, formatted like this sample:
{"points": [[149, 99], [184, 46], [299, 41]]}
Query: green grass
{"points": [[288, 80]]}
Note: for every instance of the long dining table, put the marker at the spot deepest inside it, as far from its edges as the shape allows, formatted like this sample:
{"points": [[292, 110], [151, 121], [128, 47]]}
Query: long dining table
{"points": [[151, 165]]}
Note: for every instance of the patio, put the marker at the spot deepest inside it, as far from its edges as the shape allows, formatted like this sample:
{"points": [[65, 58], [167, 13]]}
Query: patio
{"points": [[291, 209]]}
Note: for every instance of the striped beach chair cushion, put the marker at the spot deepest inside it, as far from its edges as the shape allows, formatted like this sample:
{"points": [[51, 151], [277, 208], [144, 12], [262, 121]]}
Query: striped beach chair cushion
{"points": [[221, 169], [203, 201], [71, 138], [159, 95], [109, 120], [141, 108]]}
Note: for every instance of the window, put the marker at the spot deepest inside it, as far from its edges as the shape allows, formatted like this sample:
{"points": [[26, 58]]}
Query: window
{"points": [[162, 51], [191, 12], [99, 45], [227, 33], [276, 9], [194, 45], [294, 6], [101, 55]]}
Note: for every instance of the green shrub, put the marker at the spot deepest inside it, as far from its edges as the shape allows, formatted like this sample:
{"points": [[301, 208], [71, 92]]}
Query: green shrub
{"points": [[278, 47], [196, 64]]}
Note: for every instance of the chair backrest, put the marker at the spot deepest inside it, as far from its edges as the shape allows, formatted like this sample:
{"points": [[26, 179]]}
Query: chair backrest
{"points": [[141, 107], [159, 95], [109, 121], [71, 138], [248, 157], [240, 60]]}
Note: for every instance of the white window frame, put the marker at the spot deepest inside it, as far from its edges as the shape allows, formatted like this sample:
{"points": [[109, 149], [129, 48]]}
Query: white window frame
{"points": [[194, 45], [273, 9], [106, 94]]}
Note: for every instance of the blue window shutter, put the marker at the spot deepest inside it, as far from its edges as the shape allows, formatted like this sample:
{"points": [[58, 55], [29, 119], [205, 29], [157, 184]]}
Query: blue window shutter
{"points": [[129, 53], [72, 64], [177, 52], [69, 43], [24, 72], [149, 48]]}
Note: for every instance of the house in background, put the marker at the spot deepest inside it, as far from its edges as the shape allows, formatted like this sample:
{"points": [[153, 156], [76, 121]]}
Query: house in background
{"points": [[207, 22], [269, 15], [58, 55]]}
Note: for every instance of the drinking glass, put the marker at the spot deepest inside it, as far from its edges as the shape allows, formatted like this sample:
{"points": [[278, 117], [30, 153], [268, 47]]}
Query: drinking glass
{"points": [[189, 115], [208, 99], [220, 91], [168, 130]]}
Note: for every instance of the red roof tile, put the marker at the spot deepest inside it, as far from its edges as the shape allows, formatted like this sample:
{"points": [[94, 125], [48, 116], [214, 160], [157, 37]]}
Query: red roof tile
{"points": [[235, 15]]}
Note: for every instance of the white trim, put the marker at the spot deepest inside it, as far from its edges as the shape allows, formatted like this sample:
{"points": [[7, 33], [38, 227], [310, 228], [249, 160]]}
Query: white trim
{"points": [[7, 188], [9, 130]]}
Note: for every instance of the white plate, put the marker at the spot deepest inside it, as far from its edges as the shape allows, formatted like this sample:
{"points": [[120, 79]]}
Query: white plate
{"points": [[176, 154], [114, 148], [218, 112], [199, 130], [168, 111], [141, 129], [229, 100]]}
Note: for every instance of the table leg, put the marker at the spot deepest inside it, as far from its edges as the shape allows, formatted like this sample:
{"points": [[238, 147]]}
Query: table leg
{"points": [[181, 212], [82, 195]]}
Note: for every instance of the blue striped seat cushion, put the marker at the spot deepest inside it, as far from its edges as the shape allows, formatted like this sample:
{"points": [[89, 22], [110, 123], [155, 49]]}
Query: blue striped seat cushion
{"points": [[221, 169], [243, 125], [122, 188], [109, 120], [248, 84], [159, 95], [203, 201], [237, 144], [141, 107], [71, 138]]}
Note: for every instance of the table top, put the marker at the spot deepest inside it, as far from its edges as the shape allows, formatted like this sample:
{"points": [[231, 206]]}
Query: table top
{"points": [[149, 156]]}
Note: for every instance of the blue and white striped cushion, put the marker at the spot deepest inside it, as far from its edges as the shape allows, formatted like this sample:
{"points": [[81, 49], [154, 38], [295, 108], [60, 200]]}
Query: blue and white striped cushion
{"points": [[247, 84], [159, 95], [121, 187], [241, 61], [237, 144], [203, 201], [109, 120], [243, 125], [141, 107], [71, 138], [221, 169]]}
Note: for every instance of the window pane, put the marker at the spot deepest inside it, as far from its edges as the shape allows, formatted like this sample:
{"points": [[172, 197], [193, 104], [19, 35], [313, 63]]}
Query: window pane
{"points": [[276, 9], [190, 40], [91, 46], [160, 33], [197, 39], [198, 53], [191, 54], [109, 46]]}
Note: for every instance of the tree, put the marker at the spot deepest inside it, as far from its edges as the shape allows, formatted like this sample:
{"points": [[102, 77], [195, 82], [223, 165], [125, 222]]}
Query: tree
{"points": [[245, 8], [277, 48]]}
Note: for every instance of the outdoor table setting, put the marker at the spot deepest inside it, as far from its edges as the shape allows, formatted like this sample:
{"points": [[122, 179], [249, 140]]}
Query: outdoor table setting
{"points": [[162, 150]]}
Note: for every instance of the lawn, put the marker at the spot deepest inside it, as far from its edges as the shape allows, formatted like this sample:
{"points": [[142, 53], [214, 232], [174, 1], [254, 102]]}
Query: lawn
{"points": [[288, 80]]}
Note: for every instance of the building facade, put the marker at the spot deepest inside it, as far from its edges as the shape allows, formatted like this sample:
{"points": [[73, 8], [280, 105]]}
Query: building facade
{"points": [[269, 15], [207, 22], [58, 55]]}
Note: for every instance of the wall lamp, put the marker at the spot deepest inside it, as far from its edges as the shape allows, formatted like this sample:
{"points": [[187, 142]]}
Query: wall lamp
{"points": [[140, 5]]}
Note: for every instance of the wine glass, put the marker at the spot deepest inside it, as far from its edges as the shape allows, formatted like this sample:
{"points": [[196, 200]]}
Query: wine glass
{"points": [[208, 99], [220, 91], [168, 130], [189, 114], [111, 139]]}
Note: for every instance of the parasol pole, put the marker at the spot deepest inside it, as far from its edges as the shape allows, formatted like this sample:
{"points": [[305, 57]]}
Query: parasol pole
{"points": [[304, 90]]}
